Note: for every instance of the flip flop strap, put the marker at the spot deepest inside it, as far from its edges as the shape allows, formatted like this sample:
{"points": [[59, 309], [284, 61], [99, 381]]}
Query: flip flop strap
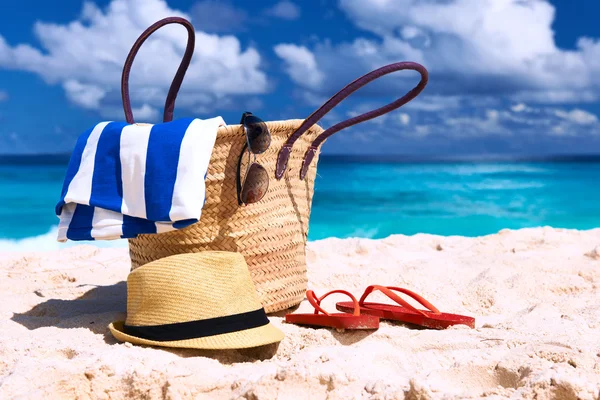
{"points": [[388, 291], [316, 301]]}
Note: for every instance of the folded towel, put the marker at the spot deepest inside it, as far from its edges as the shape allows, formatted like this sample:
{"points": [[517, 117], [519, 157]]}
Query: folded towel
{"points": [[128, 179]]}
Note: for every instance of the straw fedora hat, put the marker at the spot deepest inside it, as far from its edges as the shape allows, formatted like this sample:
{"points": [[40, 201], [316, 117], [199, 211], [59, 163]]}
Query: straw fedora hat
{"points": [[199, 300]]}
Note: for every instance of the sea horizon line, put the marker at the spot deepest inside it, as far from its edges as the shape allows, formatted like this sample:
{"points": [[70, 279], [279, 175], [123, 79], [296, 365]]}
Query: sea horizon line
{"points": [[63, 158]]}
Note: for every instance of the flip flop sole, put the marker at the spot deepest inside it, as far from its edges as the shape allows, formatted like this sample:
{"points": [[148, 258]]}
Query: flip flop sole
{"points": [[337, 321], [401, 314]]}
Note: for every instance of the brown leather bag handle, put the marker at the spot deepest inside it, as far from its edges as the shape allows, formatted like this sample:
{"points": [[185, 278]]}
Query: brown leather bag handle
{"points": [[177, 80], [286, 150]]}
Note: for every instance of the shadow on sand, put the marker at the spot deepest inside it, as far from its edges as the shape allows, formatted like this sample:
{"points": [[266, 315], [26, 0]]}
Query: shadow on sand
{"points": [[100, 306], [93, 310]]}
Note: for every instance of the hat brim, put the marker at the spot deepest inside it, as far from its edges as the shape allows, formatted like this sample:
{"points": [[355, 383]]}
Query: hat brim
{"points": [[263, 335]]}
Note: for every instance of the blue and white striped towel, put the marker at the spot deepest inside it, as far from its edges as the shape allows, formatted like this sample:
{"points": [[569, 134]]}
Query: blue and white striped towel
{"points": [[127, 179]]}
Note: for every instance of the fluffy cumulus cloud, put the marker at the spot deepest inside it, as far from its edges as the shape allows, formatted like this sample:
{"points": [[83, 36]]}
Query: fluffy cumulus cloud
{"points": [[487, 59], [86, 57], [301, 65], [504, 47]]}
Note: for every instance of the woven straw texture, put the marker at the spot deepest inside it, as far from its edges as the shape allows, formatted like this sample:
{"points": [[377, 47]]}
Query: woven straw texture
{"points": [[190, 287], [270, 234]]}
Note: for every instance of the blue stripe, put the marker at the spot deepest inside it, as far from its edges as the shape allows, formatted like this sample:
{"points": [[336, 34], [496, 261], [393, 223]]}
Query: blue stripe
{"points": [[133, 226], [107, 185], [184, 222], [80, 227], [162, 159], [74, 164]]}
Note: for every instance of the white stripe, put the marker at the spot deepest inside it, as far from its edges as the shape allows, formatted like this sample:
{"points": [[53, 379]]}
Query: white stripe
{"points": [[162, 227], [134, 149], [194, 157], [106, 224], [66, 215], [80, 188]]}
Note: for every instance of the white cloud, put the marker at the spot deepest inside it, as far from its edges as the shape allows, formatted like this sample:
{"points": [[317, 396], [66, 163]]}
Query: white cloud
{"points": [[404, 118], [559, 130], [422, 130], [435, 103], [86, 57], [485, 79], [523, 113], [410, 32], [301, 64], [145, 113], [86, 96], [470, 47], [519, 107], [489, 123], [583, 95], [492, 115], [514, 124], [285, 9], [580, 117], [478, 129]]}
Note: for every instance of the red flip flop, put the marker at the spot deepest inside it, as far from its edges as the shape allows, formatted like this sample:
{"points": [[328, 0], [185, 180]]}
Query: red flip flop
{"points": [[338, 320], [404, 312]]}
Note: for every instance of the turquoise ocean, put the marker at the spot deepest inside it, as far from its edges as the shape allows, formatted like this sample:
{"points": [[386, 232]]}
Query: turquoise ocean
{"points": [[363, 197]]}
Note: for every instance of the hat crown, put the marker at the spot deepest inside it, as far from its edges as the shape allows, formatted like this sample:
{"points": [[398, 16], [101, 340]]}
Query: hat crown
{"points": [[190, 287]]}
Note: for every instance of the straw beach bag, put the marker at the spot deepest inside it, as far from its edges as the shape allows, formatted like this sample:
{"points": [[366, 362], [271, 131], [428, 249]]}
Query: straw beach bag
{"points": [[271, 234]]}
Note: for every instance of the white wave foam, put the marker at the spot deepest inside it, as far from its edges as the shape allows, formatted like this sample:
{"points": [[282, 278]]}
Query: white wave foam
{"points": [[47, 242], [503, 184], [486, 184], [485, 169], [369, 233], [466, 169]]}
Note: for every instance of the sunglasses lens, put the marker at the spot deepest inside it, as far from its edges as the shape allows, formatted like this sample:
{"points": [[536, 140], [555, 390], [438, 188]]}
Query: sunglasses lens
{"points": [[256, 184], [259, 137]]}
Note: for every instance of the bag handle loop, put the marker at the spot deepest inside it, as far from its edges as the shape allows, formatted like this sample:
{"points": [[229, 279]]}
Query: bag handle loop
{"points": [[177, 80], [286, 150]]}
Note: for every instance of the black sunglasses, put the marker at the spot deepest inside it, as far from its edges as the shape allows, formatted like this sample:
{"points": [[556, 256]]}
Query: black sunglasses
{"points": [[256, 180]]}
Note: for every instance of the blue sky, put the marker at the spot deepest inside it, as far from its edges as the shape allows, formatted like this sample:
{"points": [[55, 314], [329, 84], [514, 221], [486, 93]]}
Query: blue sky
{"points": [[506, 76]]}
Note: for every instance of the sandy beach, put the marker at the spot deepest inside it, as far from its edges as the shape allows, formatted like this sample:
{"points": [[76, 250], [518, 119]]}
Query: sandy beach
{"points": [[535, 294]]}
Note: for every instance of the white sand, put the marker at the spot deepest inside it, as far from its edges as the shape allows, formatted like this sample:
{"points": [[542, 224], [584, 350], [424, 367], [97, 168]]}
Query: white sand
{"points": [[535, 294]]}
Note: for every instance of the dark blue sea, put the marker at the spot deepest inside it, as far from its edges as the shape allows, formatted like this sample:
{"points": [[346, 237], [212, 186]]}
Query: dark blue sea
{"points": [[371, 197]]}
